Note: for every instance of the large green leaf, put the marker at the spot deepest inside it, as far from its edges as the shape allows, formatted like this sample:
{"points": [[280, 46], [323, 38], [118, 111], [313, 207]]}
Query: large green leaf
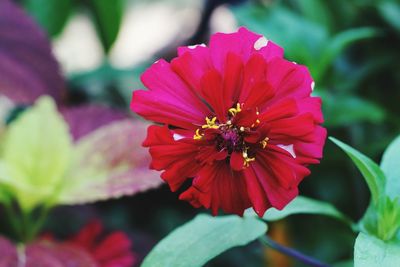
{"points": [[109, 163], [302, 39], [304, 205], [337, 44], [390, 11], [344, 110], [371, 172], [390, 166], [317, 11], [36, 154], [107, 17], [372, 252], [203, 238], [52, 15]]}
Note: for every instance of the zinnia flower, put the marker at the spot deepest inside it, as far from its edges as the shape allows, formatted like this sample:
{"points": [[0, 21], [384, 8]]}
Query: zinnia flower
{"points": [[237, 119], [114, 250]]}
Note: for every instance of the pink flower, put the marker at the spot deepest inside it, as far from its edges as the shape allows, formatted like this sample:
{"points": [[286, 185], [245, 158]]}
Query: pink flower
{"points": [[237, 119], [114, 250]]}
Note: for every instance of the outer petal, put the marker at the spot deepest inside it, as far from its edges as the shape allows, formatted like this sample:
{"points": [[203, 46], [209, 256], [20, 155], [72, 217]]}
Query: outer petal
{"points": [[277, 195], [218, 187], [176, 157], [191, 66], [240, 43], [213, 93], [288, 79], [311, 105], [311, 152], [169, 99], [256, 192]]}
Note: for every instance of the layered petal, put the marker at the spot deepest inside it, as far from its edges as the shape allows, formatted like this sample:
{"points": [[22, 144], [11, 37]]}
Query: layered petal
{"points": [[262, 127], [176, 158]]}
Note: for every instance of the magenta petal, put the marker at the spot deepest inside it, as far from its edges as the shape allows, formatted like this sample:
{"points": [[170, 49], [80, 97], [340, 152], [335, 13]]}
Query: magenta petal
{"points": [[160, 78], [240, 43], [289, 79], [237, 161], [163, 108], [213, 93], [271, 51]]}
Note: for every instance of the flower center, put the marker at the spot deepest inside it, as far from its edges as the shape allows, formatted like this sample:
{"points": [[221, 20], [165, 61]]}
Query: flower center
{"points": [[231, 135]]}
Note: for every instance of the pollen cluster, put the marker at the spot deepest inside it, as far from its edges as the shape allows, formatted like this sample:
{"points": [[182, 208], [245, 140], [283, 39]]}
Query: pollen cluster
{"points": [[230, 135]]}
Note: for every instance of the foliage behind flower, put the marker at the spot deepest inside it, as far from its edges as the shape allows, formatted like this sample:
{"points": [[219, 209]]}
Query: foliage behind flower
{"points": [[238, 119], [41, 165]]}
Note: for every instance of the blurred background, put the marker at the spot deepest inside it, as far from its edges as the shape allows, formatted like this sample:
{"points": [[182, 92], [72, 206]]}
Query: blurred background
{"points": [[350, 46]]}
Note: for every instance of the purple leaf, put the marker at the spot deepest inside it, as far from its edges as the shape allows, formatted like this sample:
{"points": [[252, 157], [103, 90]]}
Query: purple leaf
{"points": [[27, 66], [8, 252], [48, 254], [43, 254], [85, 119], [109, 163]]}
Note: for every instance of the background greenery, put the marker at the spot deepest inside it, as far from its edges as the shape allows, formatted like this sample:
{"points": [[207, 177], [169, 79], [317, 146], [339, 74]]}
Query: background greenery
{"points": [[352, 50]]}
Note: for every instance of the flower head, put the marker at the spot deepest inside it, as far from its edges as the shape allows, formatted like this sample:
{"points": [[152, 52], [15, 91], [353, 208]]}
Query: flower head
{"points": [[238, 120], [113, 250]]}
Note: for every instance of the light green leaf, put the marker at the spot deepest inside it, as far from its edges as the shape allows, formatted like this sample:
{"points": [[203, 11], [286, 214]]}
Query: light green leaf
{"points": [[390, 11], [109, 163], [371, 172], [348, 263], [36, 154], [317, 11], [304, 205], [107, 17], [338, 43], [372, 252], [343, 110], [302, 39], [202, 239], [52, 15], [390, 166]]}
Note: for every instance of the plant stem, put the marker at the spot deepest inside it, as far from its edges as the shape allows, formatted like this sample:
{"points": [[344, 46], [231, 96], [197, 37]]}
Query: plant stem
{"points": [[292, 253], [38, 224], [13, 221]]}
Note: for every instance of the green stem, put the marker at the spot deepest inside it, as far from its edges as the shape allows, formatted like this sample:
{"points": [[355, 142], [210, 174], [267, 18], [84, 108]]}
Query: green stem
{"points": [[13, 221], [38, 224]]}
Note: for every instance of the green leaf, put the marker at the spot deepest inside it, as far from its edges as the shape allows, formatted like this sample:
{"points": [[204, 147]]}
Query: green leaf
{"points": [[109, 163], [390, 11], [390, 166], [338, 43], [52, 15], [371, 172], [36, 154], [344, 110], [302, 39], [202, 239], [372, 252], [348, 263], [107, 17], [316, 11], [304, 205]]}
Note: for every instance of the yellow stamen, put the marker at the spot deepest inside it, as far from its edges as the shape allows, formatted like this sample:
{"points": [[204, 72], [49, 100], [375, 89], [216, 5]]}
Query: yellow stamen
{"points": [[246, 158], [236, 110], [264, 142], [210, 123], [198, 135]]}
